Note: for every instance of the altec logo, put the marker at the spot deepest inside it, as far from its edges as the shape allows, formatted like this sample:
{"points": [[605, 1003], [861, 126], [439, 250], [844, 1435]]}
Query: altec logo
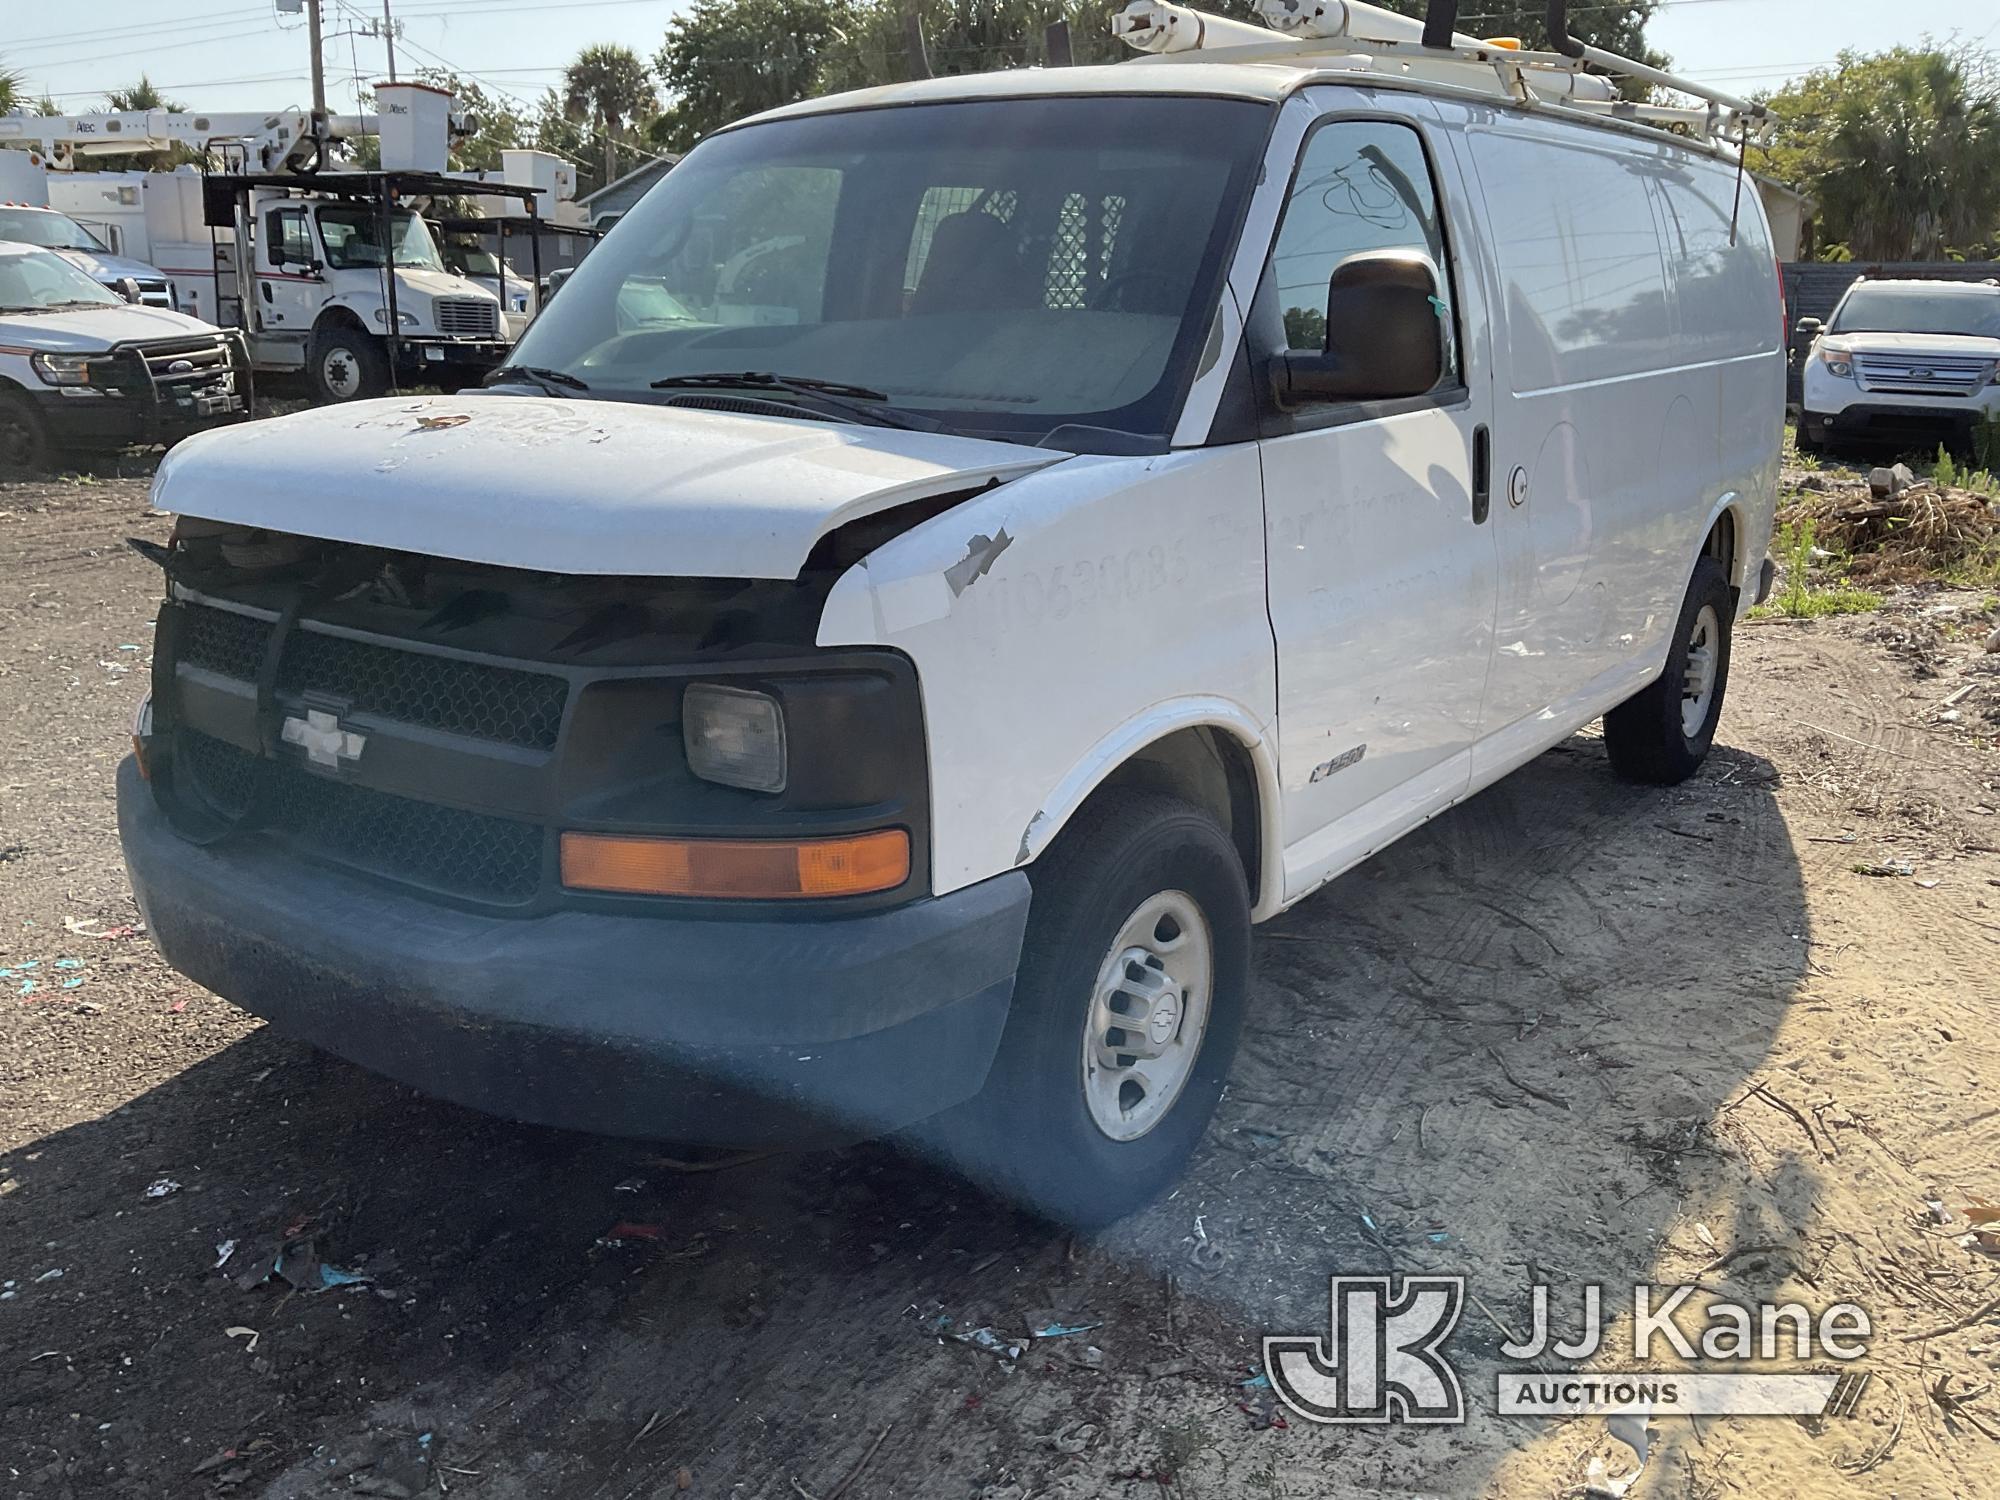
{"points": [[1382, 1360]]}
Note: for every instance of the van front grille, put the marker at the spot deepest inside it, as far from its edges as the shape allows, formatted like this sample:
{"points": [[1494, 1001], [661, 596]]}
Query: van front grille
{"points": [[504, 705], [472, 855]]}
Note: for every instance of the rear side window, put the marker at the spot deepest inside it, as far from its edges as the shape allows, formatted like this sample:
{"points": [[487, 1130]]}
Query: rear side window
{"points": [[1362, 185]]}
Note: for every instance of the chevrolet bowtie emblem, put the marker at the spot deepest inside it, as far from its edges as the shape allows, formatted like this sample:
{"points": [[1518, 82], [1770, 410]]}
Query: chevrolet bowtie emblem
{"points": [[323, 740]]}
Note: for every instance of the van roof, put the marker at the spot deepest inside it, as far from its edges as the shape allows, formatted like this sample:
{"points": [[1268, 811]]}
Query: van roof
{"points": [[1270, 78], [1266, 81]]}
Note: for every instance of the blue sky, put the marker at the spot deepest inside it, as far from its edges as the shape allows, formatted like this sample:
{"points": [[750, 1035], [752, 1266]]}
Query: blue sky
{"points": [[242, 54]]}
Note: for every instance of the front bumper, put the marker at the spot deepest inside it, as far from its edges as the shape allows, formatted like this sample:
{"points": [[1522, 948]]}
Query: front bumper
{"points": [[740, 1032], [1886, 422], [453, 354], [108, 422]]}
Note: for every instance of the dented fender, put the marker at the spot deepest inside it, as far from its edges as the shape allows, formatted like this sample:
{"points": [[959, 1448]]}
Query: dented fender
{"points": [[1061, 622]]}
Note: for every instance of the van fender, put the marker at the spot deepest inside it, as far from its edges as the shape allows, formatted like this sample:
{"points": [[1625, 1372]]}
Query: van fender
{"points": [[1154, 724]]}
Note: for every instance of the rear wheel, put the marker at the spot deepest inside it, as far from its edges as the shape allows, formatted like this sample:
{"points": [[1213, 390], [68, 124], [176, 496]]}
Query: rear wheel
{"points": [[346, 364], [1803, 438], [1126, 1014], [24, 441], [1663, 732]]}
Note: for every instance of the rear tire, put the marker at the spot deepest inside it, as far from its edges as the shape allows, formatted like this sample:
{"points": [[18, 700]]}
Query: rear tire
{"points": [[1662, 734], [1803, 439], [1141, 912], [24, 440], [345, 364]]}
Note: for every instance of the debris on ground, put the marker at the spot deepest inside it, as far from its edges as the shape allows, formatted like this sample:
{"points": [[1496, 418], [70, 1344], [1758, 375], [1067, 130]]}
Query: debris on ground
{"points": [[297, 1263], [983, 1338], [162, 1187], [1903, 535], [1633, 1429]]}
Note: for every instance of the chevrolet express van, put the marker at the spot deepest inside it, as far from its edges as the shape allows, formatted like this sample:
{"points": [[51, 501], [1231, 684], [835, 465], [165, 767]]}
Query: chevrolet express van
{"points": [[950, 562]]}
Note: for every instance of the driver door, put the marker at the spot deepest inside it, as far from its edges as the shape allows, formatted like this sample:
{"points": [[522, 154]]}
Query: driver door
{"points": [[1381, 567], [289, 291]]}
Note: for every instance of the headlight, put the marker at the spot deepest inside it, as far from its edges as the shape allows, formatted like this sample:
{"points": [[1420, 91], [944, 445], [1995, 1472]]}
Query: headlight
{"points": [[63, 369], [734, 737], [1839, 362], [403, 319]]}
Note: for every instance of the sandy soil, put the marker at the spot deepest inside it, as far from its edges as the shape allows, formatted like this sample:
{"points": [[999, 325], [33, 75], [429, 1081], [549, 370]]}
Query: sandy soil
{"points": [[1575, 1032]]}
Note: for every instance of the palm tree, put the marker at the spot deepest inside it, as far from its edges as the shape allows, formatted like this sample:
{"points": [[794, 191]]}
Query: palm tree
{"points": [[1908, 155], [10, 91], [611, 87], [141, 95]]}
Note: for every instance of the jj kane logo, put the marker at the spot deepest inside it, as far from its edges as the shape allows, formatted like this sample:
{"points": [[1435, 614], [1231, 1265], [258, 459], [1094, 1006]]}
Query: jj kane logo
{"points": [[1383, 1357]]}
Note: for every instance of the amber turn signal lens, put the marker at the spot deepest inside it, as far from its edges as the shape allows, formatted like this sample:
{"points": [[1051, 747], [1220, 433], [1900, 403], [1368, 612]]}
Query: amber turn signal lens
{"points": [[751, 869]]}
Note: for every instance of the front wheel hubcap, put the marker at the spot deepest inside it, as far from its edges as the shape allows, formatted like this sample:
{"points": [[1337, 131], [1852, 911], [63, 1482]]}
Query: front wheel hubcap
{"points": [[1148, 1014], [1698, 681]]}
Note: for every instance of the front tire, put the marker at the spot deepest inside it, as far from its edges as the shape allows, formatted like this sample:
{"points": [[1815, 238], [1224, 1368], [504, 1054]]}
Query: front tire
{"points": [[346, 364], [1126, 1014], [1663, 733], [24, 440]]}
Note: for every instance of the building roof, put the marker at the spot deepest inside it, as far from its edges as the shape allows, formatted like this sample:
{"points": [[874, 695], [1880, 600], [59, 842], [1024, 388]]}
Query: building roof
{"points": [[641, 178]]}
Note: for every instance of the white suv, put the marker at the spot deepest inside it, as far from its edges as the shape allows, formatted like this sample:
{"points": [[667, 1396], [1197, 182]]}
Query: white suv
{"points": [[1915, 363]]}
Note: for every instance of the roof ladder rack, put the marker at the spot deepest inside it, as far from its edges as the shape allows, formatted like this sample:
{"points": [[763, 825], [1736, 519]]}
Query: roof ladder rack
{"points": [[1359, 35]]}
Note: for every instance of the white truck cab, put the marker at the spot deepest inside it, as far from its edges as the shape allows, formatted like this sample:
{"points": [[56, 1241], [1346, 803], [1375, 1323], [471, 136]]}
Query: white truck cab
{"points": [[82, 369], [1905, 362], [334, 277], [954, 558]]}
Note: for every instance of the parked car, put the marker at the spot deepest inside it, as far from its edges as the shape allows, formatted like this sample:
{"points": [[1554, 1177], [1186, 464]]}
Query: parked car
{"points": [[881, 691], [24, 224], [81, 369], [1912, 364]]}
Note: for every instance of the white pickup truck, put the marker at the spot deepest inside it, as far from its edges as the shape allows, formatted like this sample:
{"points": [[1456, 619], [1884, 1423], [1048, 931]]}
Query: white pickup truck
{"points": [[953, 559], [81, 369]]}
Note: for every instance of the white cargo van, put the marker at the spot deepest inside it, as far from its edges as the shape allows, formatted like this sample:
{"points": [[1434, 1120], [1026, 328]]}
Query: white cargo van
{"points": [[882, 687]]}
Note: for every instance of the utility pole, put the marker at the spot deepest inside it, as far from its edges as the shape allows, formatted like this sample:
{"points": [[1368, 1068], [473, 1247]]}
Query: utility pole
{"points": [[389, 39], [318, 69]]}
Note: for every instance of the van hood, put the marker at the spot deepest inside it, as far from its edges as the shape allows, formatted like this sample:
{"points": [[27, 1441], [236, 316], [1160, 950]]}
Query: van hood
{"points": [[90, 330], [572, 486]]}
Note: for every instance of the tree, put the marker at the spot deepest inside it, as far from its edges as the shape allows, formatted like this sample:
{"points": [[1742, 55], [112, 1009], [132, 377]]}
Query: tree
{"points": [[611, 87], [141, 95], [11, 97], [1900, 148], [725, 59]]}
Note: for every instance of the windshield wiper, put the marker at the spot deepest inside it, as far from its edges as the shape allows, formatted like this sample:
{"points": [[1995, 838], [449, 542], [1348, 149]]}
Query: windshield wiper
{"points": [[842, 397], [551, 382]]}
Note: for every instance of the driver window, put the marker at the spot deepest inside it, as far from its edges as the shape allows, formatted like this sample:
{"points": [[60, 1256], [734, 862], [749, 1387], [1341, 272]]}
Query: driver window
{"points": [[289, 237], [1361, 185]]}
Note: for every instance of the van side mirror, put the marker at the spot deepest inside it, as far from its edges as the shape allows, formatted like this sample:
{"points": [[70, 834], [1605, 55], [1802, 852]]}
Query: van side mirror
{"points": [[1384, 334], [1809, 328]]}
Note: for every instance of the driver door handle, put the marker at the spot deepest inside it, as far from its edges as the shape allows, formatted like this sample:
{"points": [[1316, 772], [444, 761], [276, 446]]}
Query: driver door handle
{"points": [[1482, 474]]}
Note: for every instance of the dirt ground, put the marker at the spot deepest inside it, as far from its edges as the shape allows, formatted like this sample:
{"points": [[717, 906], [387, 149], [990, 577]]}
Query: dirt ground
{"points": [[1574, 1031]]}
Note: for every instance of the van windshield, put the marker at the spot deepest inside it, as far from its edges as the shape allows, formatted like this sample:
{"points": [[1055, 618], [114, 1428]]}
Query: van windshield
{"points": [[1884, 309], [1003, 266]]}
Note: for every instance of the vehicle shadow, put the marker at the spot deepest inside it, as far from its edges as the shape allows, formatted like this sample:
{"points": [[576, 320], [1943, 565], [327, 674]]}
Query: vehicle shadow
{"points": [[1484, 1052]]}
